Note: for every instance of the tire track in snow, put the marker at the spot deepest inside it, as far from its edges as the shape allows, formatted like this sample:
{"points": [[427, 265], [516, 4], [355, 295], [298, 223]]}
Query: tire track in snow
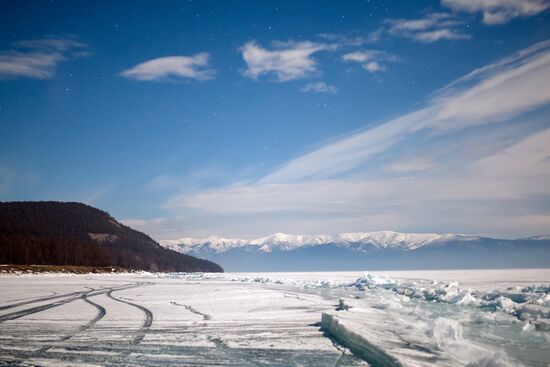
{"points": [[101, 312], [84, 295], [46, 298], [205, 317], [23, 299], [33, 310], [72, 297], [146, 323], [40, 299]]}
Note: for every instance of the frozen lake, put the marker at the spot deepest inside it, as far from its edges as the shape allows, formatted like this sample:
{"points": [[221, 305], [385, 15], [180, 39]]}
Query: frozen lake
{"points": [[413, 318]]}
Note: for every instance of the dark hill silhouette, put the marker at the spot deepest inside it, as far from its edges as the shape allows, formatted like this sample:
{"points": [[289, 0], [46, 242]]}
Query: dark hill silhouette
{"points": [[59, 233]]}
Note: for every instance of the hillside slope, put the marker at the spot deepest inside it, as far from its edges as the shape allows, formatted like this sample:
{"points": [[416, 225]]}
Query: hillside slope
{"points": [[58, 233]]}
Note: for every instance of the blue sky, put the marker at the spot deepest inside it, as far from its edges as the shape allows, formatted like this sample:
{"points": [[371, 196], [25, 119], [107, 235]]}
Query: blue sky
{"points": [[247, 118]]}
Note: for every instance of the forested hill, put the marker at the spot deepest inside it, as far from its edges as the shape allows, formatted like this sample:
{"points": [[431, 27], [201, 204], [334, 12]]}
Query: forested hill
{"points": [[58, 233]]}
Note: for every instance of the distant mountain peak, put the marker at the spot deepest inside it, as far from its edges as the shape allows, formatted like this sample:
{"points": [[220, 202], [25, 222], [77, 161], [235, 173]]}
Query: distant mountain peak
{"points": [[366, 250], [287, 242]]}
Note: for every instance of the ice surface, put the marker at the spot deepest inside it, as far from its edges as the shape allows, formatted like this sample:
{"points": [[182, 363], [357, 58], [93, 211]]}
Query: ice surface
{"points": [[444, 318], [150, 319]]}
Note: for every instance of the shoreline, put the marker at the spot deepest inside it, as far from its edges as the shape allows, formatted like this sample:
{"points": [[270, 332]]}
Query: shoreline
{"points": [[8, 269]]}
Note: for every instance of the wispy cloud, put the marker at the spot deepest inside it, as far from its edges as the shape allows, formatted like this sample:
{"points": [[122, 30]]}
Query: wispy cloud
{"points": [[72, 45], [433, 27], [286, 61], [439, 34], [497, 176], [516, 88], [172, 68], [411, 165], [484, 197], [373, 179], [371, 60], [499, 11], [34, 65], [319, 87], [39, 58]]}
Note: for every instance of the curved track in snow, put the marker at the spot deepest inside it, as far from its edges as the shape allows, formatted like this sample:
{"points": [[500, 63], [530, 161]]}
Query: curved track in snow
{"points": [[65, 298], [147, 322], [29, 301], [195, 333]]}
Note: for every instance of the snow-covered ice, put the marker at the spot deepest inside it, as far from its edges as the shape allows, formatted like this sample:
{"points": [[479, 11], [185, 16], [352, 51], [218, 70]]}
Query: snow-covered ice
{"points": [[419, 318]]}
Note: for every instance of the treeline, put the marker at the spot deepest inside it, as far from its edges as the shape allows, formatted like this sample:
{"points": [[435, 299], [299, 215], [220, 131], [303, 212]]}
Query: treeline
{"points": [[42, 250], [55, 233]]}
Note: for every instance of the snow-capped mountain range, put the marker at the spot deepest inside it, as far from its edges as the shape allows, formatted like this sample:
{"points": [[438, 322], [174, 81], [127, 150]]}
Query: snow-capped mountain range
{"points": [[289, 242], [366, 250]]}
